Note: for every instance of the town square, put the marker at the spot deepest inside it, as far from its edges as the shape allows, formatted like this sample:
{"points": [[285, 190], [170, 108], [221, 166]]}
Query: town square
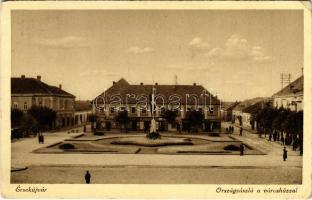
{"points": [[157, 97]]}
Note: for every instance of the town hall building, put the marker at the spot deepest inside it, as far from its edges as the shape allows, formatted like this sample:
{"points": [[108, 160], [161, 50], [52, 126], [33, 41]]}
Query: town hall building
{"points": [[136, 100]]}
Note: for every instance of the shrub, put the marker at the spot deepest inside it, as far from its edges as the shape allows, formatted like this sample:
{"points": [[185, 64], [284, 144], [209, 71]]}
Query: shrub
{"points": [[231, 147], [214, 134], [67, 146], [100, 133], [153, 135]]}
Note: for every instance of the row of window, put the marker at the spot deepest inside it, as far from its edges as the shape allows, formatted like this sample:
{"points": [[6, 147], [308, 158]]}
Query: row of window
{"points": [[63, 104], [144, 110]]}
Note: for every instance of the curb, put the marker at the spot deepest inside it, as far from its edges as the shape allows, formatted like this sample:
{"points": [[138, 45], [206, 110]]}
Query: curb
{"points": [[16, 169]]}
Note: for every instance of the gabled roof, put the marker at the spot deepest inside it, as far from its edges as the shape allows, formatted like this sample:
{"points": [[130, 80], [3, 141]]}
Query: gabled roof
{"points": [[122, 88], [229, 105], [249, 104], [295, 87], [83, 105], [34, 86]]}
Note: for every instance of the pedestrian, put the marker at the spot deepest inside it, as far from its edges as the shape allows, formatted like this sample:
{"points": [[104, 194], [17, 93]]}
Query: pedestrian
{"points": [[39, 138], [241, 131], [284, 154], [84, 128], [88, 177], [227, 130], [241, 149], [232, 129]]}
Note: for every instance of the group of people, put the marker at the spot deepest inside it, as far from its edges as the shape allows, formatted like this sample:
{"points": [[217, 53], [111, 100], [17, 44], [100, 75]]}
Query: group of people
{"points": [[230, 129]]}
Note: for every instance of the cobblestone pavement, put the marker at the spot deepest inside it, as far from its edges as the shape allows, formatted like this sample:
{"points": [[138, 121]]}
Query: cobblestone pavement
{"points": [[159, 174]]}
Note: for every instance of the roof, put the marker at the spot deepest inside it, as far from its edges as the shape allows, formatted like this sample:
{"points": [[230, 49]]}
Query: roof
{"points": [[83, 105], [229, 105], [295, 87], [35, 86], [250, 104], [122, 88]]}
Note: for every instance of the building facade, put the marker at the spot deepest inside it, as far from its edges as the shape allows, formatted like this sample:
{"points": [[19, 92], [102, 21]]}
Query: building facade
{"points": [[227, 110], [137, 99], [291, 96], [28, 92], [83, 109], [242, 112]]}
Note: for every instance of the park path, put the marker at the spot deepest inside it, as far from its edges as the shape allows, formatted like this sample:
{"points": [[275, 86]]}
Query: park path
{"points": [[22, 156]]}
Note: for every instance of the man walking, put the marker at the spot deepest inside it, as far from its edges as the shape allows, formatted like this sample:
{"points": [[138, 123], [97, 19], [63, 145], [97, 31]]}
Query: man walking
{"points": [[88, 177], [284, 154], [241, 131]]}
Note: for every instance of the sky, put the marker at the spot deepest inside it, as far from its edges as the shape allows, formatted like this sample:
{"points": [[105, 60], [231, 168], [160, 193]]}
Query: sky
{"points": [[235, 54]]}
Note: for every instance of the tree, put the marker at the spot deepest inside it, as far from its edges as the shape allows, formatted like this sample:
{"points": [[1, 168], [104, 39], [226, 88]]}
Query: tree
{"points": [[290, 126], [268, 118], [16, 116], [299, 122], [92, 119], [170, 116], [195, 119], [29, 124], [43, 115], [122, 119]]}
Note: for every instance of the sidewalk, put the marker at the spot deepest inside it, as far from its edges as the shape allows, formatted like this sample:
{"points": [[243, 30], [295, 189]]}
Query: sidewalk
{"points": [[252, 137]]}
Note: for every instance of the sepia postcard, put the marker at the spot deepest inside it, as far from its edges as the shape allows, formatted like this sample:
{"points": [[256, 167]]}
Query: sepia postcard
{"points": [[156, 100]]}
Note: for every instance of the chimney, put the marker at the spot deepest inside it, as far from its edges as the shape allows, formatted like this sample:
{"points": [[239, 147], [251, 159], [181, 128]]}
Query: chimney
{"points": [[156, 83], [194, 84], [60, 86], [23, 76], [141, 83], [39, 78], [114, 82]]}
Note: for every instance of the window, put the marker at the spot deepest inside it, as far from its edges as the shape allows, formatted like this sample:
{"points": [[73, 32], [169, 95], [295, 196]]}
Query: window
{"points": [[133, 109], [33, 101], [25, 105], [211, 109], [40, 101], [162, 110], [15, 105], [47, 102], [112, 110], [61, 104], [143, 110], [54, 104]]}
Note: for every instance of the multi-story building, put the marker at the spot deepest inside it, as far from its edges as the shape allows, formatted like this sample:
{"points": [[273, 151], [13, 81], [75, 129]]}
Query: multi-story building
{"points": [[136, 99], [26, 92], [290, 96]]}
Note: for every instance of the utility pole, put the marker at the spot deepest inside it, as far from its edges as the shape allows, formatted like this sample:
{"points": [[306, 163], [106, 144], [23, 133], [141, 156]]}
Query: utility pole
{"points": [[285, 79]]}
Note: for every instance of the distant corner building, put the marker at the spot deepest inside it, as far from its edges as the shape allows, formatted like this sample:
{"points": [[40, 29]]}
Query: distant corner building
{"points": [[26, 92], [242, 112], [290, 96], [190, 98], [83, 110]]}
